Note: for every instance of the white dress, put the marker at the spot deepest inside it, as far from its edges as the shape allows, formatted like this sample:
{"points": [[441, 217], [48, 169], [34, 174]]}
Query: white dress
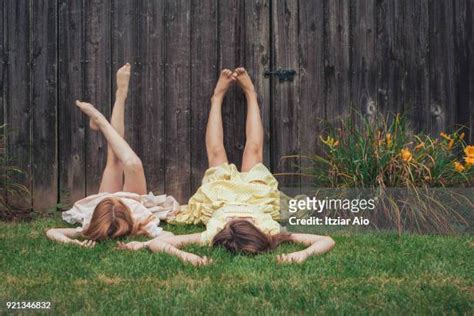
{"points": [[141, 207]]}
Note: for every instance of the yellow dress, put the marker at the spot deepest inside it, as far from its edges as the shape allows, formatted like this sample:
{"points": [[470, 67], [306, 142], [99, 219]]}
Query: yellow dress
{"points": [[224, 185]]}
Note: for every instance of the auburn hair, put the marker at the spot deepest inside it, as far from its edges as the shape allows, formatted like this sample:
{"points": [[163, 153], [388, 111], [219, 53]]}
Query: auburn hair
{"points": [[241, 236], [112, 219]]}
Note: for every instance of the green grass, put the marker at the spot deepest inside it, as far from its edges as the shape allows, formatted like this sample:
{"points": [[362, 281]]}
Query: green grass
{"points": [[365, 273]]}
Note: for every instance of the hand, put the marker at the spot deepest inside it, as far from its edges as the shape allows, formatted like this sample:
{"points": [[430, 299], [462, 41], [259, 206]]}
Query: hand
{"points": [[172, 214], [84, 243], [133, 245], [294, 257], [195, 260]]}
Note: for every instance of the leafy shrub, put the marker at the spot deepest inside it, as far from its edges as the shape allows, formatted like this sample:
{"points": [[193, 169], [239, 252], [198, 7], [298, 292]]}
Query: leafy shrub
{"points": [[382, 154], [10, 189]]}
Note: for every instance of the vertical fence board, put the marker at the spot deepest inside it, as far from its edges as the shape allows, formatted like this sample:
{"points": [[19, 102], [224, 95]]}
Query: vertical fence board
{"points": [[257, 60], [311, 73], [73, 123], [18, 112], [177, 92], [285, 97], [363, 79], [384, 35], [44, 103], [337, 67], [150, 108], [414, 35], [463, 62], [441, 66], [3, 87], [470, 44], [204, 60], [3, 64], [97, 85], [231, 29], [124, 33]]}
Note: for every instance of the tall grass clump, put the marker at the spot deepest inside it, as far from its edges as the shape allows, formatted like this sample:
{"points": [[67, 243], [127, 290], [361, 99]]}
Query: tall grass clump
{"points": [[420, 181], [10, 189]]}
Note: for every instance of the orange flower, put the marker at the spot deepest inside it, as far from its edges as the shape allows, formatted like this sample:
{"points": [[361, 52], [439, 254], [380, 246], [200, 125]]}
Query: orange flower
{"points": [[461, 137], [458, 166], [388, 139], [445, 136], [419, 146], [331, 142], [469, 160], [469, 151], [451, 144], [406, 154]]}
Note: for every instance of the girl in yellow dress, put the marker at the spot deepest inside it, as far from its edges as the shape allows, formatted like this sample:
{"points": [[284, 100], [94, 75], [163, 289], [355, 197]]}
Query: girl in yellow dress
{"points": [[240, 209]]}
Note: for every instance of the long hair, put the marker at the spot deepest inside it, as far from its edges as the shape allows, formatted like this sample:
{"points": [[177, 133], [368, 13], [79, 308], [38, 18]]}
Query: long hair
{"points": [[112, 219], [241, 236]]}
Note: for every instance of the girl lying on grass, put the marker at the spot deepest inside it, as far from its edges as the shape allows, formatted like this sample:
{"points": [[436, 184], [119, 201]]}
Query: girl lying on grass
{"points": [[239, 209], [122, 207]]}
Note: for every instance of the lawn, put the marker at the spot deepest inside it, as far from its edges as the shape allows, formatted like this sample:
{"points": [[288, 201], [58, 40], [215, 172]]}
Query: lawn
{"points": [[366, 272]]}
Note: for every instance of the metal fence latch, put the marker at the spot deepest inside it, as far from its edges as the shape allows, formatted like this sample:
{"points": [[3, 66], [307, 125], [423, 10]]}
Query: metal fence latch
{"points": [[283, 74]]}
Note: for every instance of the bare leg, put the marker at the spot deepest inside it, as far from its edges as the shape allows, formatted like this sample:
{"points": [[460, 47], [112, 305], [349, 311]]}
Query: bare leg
{"points": [[112, 178], [215, 133], [133, 169], [253, 151]]}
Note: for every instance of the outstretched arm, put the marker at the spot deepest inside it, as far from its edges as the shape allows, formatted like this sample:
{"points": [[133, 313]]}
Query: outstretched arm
{"points": [[170, 245], [68, 236], [317, 245]]}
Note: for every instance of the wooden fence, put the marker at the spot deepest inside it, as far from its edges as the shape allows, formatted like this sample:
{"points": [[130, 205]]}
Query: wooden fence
{"points": [[374, 55]]}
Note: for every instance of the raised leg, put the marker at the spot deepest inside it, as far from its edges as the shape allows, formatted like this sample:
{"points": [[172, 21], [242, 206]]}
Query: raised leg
{"points": [[112, 178], [215, 133], [253, 151], [133, 169]]}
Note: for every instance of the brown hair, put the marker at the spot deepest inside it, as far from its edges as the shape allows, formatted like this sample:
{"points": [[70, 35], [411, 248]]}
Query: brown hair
{"points": [[112, 219], [241, 236]]}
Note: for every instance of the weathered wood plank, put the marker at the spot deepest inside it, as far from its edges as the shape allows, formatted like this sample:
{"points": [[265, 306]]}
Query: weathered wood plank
{"points": [[18, 97], [363, 80], [72, 159], [312, 84], [123, 51], [337, 60], [441, 62], [231, 26], [414, 37], [285, 97], [384, 14], [3, 63], [3, 85], [97, 68], [138, 38], [44, 105], [150, 107], [177, 98], [257, 60], [204, 73], [464, 64], [470, 28]]}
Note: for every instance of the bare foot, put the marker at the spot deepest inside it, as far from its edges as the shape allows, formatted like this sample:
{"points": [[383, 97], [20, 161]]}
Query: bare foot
{"points": [[92, 112], [123, 79], [243, 79], [225, 81]]}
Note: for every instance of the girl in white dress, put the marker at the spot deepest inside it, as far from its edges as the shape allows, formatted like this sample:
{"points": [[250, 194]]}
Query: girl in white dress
{"points": [[121, 207]]}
